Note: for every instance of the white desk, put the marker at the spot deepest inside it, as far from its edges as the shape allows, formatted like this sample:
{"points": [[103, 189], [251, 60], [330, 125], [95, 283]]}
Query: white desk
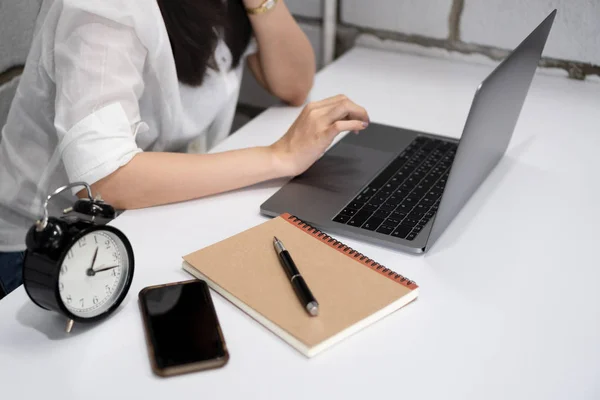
{"points": [[509, 304]]}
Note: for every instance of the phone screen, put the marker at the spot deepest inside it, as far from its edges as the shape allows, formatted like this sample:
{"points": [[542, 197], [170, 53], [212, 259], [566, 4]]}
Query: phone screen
{"points": [[182, 324]]}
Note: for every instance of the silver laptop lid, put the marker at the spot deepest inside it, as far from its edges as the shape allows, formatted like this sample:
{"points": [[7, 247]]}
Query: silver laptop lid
{"points": [[490, 124]]}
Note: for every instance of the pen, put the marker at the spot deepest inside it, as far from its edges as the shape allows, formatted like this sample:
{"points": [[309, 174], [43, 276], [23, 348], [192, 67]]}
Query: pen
{"points": [[304, 294]]}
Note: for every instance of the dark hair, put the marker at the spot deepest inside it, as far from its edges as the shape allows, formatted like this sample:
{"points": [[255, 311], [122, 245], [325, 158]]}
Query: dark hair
{"points": [[193, 27]]}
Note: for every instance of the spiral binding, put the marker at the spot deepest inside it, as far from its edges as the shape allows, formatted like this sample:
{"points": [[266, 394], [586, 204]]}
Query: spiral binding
{"points": [[350, 251]]}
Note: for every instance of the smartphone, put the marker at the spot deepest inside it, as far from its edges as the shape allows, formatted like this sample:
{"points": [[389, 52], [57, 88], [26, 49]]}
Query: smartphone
{"points": [[182, 330]]}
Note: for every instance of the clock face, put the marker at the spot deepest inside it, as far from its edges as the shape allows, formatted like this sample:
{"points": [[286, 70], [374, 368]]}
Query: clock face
{"points": [[93, 274]]}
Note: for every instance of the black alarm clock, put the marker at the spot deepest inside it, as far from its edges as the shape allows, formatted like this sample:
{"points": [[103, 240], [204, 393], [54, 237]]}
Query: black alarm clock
{"points": [[75, 264]]}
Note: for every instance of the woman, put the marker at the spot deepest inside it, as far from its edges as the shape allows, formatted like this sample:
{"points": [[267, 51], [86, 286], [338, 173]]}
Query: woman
{"points": [[116, 93]]}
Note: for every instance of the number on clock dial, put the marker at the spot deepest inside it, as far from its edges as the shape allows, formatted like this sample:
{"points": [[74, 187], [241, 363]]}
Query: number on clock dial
{"points": [[83, 292]]}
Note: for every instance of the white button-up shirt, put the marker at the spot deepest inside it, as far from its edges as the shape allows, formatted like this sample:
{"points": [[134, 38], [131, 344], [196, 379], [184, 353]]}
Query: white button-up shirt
{"points": [[99, 86]]}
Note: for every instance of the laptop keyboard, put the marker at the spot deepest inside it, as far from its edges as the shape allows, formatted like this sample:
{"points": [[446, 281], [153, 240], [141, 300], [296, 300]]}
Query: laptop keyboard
{"points": [[406, 194]]}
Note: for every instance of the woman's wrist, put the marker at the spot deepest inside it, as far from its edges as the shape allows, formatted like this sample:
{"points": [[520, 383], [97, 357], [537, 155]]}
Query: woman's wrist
{"points": [[281, 161], [253, 3]]}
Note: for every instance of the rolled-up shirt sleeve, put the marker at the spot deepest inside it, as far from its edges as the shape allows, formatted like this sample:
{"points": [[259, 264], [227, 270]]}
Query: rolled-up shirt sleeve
{"points": [[99, 81]]}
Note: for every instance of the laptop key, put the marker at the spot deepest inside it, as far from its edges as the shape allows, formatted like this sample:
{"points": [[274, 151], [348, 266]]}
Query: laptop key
{"points": [[401, 231], [428, 200], [377, 200], [387, 173], [369, 207], [386, 230], [385, 192], [391, 186], [360, 199], [397, 180], [431, 145], [403, 208], [372, 223], [392, 222], [349, 211], [404, 189], [355, 205], [368, 191], [411, 236], [381, 213], [410, 200], [418, 175], [417, 215], [359, 218], [395, 199], [398, 215], [420, 209], [342, 219], [409, 221], [388, 207]]}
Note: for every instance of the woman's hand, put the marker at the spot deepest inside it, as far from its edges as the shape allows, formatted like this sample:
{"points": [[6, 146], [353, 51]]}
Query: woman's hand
{"points": [[155, 178], [314, 130]]}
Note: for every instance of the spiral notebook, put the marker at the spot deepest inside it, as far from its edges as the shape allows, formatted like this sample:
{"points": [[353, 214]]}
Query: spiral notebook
{"points": [[353, 290]]}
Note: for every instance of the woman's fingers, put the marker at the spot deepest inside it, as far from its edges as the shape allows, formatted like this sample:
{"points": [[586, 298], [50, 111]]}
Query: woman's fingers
{"points": [[318, 106], [338, 114], [345, 125], [330, 100], [346, 109]]}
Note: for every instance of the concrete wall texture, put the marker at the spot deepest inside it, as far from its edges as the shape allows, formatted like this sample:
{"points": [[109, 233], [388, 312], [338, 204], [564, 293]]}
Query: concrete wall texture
{"points": [[485, 25], [504, 23], [466, 26]]}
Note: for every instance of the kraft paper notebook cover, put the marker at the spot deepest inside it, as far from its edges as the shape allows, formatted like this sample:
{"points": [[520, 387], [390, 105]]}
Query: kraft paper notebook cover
{"points": [[353, 291]]}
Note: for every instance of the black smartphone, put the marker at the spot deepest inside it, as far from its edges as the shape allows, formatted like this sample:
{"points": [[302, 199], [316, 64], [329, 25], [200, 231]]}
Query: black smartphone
{"points": [[182, 329]]}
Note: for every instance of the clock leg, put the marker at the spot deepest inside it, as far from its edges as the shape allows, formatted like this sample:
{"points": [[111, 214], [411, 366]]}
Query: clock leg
{"points": [[69, 326]]}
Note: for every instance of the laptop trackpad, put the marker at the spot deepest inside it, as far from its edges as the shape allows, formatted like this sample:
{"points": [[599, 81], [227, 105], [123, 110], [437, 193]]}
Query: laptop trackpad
{"points": [[330, 183]]}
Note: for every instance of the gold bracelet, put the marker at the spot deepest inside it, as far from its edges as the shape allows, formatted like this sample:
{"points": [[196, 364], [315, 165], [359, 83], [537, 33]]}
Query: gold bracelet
{"points": [[266, 5]]}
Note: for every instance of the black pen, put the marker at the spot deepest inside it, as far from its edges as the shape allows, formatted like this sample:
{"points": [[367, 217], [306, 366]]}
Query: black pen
{"points": [[300, 287]]}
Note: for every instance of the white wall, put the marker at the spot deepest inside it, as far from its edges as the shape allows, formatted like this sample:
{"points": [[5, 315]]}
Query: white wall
{"points": [[305, 8], [575, 35], [504, 23], [421, 17]]}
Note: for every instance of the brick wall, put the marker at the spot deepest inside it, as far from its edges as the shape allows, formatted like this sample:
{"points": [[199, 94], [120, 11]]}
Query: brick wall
{"points": [[486, 27]]}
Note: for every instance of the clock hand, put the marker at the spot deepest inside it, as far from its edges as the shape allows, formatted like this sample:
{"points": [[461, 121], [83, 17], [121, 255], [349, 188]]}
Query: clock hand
{"points": [[95, 255], [104, 268], [90, 271]]}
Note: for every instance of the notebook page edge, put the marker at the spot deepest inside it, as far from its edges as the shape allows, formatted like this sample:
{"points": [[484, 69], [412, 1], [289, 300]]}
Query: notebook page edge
{"points": [[366, 322]]}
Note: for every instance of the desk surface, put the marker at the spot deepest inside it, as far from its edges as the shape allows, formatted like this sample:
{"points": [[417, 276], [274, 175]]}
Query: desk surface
{"points": [[509, 304]]}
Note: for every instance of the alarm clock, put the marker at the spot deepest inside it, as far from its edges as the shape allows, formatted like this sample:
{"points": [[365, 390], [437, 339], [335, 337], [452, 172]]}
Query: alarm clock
{"points": [[75, 264]]}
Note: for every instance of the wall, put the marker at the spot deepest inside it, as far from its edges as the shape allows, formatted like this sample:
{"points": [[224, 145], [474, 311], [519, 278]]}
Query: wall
{"points": [[486, 27]]}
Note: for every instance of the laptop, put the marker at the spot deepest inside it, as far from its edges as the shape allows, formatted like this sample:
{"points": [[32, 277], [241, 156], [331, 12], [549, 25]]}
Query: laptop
{"points": [[401, 188]]}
